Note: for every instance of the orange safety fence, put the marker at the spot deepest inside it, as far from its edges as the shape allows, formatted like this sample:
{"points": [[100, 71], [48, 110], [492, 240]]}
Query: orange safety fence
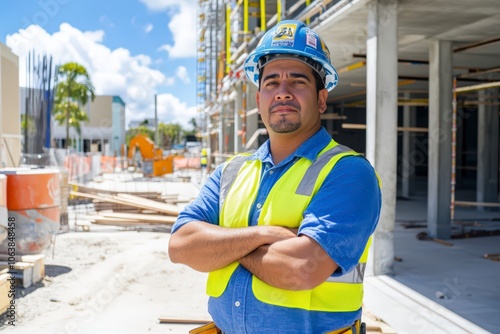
{"points": [[181, 162]]}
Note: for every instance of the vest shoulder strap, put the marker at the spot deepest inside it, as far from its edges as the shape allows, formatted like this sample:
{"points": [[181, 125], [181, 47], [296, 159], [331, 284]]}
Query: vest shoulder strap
{"points": [[307, 183], [229, 174]]}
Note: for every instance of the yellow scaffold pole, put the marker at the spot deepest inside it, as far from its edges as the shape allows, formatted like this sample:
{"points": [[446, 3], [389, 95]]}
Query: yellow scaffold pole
{"points": [[228, 37]]}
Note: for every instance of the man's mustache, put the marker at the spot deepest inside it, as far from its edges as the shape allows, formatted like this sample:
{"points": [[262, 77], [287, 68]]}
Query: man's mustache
{"points": [[291, 104]]}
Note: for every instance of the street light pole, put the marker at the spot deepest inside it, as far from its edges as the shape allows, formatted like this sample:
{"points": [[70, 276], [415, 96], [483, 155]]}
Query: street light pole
{"points": [[156, 122]]}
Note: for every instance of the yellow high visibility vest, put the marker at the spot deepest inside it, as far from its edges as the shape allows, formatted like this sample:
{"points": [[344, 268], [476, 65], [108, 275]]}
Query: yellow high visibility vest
{"points": [[284, 206]]}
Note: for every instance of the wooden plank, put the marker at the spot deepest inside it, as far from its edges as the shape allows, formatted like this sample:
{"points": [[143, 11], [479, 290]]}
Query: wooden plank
{"points": [[487, 204], [165, 207], [22, 271], [140, 217], [36, 259], [123, 223], [493, 257], [4, 292], [168, 320], [86, 189], [158, 207], [94, 217]]}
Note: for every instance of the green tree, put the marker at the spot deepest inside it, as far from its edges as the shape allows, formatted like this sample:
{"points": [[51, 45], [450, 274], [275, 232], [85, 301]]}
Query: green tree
{"points": [[141, 129], [170, 134], [72, 91]]}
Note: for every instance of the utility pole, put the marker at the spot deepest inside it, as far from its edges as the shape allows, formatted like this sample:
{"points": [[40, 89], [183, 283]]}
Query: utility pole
{"points": [[156, 122]]}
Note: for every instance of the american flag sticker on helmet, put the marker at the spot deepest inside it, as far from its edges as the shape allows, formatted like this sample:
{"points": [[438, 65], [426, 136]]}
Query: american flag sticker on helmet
{"points": [[311, 40]]}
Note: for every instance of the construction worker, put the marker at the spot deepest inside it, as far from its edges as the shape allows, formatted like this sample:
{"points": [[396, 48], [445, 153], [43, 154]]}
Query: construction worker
{"points": [[284, 231], [203, 158]]}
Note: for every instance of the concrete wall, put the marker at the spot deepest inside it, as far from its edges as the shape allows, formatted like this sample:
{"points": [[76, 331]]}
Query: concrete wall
{"points": [[100, 111], [10, 120], [118, 126]]}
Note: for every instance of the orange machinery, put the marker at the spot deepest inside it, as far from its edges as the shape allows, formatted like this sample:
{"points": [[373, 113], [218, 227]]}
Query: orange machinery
{"points": [[153, 161]]}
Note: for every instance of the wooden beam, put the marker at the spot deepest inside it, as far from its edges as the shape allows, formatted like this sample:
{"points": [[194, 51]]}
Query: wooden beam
{"points": [[356, 126]]}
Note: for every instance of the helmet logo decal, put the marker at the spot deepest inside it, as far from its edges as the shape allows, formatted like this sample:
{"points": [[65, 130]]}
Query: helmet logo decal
{"points": [[311, 39], [325, 48], [284, 35]]}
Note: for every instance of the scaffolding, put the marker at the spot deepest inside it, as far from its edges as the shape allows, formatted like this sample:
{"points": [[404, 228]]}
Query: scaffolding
{"points": [[227, 31]]}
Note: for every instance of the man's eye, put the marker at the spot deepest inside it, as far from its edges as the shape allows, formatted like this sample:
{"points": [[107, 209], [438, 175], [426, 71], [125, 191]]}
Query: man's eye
{"points": [[270, 83]]}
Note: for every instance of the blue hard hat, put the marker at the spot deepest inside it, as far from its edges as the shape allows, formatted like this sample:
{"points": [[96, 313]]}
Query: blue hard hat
{"points": [[292, 39]]}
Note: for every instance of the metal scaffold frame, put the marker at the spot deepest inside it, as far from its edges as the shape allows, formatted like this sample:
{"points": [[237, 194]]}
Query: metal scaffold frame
{"points": [[228, 30]]}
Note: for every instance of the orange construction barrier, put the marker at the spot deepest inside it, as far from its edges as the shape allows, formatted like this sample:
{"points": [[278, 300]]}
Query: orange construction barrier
{"points": [[34, 202], [3, 207]]}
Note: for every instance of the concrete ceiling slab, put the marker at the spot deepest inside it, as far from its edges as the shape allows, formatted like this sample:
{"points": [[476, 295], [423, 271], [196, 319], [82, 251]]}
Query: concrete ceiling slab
{"points": [[420, 22]]}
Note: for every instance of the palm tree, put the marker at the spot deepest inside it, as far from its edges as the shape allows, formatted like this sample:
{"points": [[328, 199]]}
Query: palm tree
{"points": [[72, 92]]}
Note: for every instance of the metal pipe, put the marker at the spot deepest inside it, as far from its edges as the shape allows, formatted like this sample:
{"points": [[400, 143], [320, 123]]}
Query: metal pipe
{"points": [[263, 15], [278, 10], [477, 45], [476, 87], [245, 20]]}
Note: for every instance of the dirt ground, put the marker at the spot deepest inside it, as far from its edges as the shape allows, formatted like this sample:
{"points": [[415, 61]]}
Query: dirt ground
{"points": [[110, 281]]}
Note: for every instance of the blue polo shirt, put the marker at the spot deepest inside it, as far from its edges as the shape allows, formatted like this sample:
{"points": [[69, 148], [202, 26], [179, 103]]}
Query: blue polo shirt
{"points": [[340, 217]]}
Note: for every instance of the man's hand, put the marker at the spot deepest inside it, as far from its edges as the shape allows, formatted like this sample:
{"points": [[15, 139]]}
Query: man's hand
{"points": [[294, 264]]}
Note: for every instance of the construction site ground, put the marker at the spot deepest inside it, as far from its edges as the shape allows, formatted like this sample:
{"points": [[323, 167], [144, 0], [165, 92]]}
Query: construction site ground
{"points": [[118, 279]]}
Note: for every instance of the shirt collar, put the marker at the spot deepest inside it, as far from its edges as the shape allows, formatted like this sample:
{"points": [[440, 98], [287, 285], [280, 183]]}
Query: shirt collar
{"points": [[309, 149]]}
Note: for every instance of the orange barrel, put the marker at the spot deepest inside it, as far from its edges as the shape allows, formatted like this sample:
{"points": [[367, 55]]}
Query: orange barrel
{"points": [[3, 207], [64, 198], [34, 201]]}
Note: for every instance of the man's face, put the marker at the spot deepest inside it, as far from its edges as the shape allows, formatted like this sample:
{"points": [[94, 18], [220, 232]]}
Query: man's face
{"points": [[287, 97]]}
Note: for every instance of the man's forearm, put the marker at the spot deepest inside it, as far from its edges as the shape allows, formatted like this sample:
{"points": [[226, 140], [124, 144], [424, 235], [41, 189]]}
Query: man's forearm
{"points": [[294, 264], [206, 247]]}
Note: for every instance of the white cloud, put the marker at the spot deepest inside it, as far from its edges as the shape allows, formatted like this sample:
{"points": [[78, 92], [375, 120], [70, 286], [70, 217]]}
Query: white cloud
{"points": [[113, 72], [161, 5], [148, 28], [182, 74], [171, 109], [183, 25]]}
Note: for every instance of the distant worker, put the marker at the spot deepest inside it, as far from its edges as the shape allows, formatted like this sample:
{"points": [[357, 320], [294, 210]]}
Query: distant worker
{"points": [[284, 232], [203, 158]]}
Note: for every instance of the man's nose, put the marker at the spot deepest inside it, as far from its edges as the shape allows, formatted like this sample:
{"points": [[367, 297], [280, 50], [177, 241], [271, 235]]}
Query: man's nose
{"points": [[283, 92]]}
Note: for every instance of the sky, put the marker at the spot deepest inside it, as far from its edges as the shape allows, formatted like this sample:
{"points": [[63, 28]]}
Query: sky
{"points": [[131, 48]]}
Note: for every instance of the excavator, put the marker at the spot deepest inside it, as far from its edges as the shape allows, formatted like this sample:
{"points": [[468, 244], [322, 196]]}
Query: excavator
{"points": [[153, 161]]}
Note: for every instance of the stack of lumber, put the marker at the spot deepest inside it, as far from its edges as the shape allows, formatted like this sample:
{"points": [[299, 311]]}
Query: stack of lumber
{"points": [[28, 269], [115, 208], [4, 291]]}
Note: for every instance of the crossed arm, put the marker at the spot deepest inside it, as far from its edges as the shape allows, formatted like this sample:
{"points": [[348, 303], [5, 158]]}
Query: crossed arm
{"points": [[274, 254]]}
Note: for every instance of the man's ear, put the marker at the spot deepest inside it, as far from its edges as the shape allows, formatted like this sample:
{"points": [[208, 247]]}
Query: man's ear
{"points": [[257, 99], [322, 97]]}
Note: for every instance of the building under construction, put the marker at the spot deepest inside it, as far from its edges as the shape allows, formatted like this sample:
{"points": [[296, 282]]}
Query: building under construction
{"points": [[417, 95]]}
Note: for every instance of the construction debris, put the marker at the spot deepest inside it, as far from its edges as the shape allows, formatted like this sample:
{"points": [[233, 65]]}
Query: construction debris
{"points": [[493, 257], [425, 236]]}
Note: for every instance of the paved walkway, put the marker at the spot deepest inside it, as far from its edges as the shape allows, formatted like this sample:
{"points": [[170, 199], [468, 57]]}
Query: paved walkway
{"points": [[437, 288]]}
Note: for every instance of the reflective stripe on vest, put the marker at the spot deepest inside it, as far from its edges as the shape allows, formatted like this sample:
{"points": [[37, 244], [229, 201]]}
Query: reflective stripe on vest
{"points": [[284, 206]]}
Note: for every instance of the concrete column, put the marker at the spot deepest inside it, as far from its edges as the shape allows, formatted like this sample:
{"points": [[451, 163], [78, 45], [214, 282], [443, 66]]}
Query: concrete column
{"points": [[237, 118], [487, 148], [440, 124], [381, 122], [407, 168]]}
